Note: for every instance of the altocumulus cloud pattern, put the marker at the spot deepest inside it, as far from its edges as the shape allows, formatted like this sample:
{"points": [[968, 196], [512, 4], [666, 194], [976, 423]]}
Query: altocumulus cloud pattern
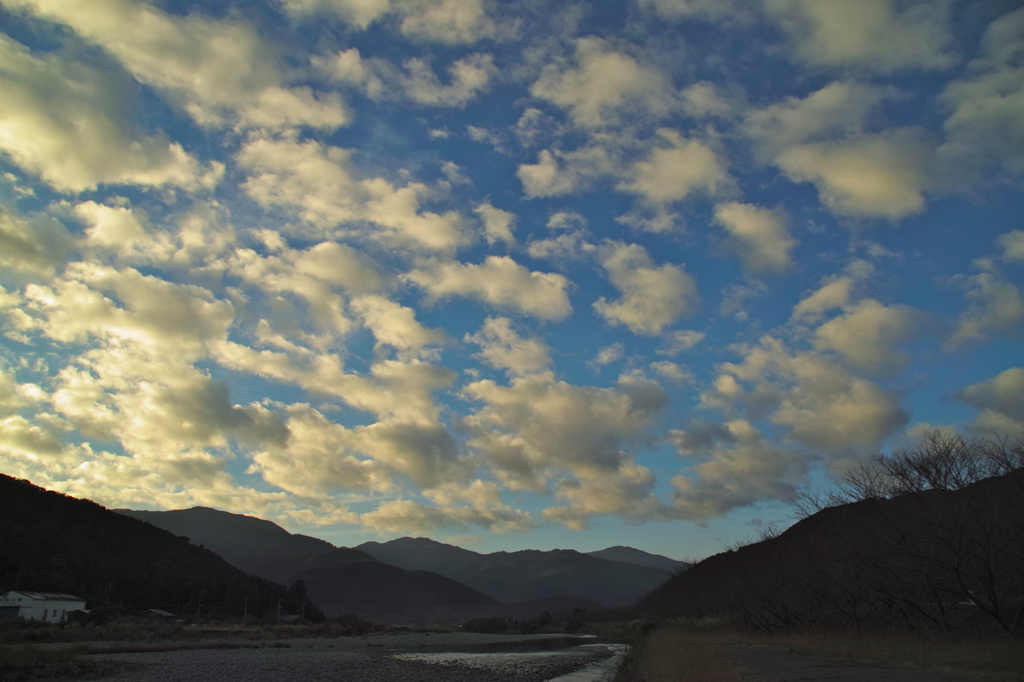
{"points": [[494, 272]]}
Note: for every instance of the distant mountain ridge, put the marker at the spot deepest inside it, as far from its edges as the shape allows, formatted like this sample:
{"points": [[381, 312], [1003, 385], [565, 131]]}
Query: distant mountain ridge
{"points": [[526, 574], [629, 555], [252, 544], [517, 582]]}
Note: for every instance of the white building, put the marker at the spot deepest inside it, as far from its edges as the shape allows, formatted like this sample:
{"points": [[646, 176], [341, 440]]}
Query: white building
{"points": [[51, 607]]}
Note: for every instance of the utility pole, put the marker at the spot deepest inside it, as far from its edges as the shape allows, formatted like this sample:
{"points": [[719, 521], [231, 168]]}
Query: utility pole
{"points": [[199, 609], [245, 613], [278, 611], [110, 587]]}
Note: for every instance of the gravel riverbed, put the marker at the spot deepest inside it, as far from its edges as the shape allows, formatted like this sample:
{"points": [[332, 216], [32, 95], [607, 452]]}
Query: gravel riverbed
{"points": [[407, 657]]}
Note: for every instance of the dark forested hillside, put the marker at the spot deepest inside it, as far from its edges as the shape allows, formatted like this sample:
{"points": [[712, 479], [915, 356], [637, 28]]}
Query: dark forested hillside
{"points": [[925, 544], [253, 545], [52, 542]]}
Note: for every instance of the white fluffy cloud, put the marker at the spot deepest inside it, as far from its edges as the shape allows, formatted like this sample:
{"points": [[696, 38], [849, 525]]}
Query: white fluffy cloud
{"points": [[757, 235], [498, 224], [867, 334], [501, 347], [822, 139], [36, 245], [738, 467], [652, 297], [1012, 243], [218, 70], [395, 324], [875, 35], [320, 183], [600, 85], [674, 172], [984, 126], [881, 175], [822, 405], [558, 173], [498, 281], [996, 305], [65, 121], [537, 430], [451, 22], [1000, 401]]}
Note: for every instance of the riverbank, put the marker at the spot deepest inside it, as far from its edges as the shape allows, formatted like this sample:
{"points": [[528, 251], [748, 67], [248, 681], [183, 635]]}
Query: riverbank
{"points": [[398, 657], [697, 651]]}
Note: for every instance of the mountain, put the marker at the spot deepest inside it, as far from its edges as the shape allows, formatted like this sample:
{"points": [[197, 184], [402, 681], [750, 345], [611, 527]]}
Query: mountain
{"points": [[51, 542], [344, 580], [253, 545], [947, 561], [378, 591], [628, 555], [524, 575]]}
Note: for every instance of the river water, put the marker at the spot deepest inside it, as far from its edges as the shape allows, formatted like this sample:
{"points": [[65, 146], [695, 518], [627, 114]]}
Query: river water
{"points": [[587, 659]]}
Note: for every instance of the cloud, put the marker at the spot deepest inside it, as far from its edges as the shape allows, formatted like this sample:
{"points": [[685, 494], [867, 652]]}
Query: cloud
{"points": [[608, 354], [66, 121], [450, 22], [866, 335], [652, 297], [169, 319], [320, 184], [218, 70], [1012, 243], [498, 281], [1000, 401], [838, 109], [672, 370], [558, 173], [873, 35], [36, 246], [676, 342], [114, 228], [394, 324], [416, 82], [835, 292], [881, 175], [820, 403], [983, 127], [599, 86], [498, 224], [758, 236], [739, 468], [537, 427], [627, 492], [686, 9], [502, 348], [672, 173], [821, 139], [996, 305]]}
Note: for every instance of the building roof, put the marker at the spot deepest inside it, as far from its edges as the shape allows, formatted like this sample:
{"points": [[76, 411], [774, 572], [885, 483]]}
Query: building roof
{"points": [[55, 596]]}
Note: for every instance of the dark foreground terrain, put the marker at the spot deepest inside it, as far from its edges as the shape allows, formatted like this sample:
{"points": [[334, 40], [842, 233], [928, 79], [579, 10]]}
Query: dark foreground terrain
{"points": [[401, 657]]}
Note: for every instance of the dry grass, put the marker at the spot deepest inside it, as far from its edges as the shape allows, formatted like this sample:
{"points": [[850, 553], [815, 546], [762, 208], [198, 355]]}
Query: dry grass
{"points": [[688, 650]]}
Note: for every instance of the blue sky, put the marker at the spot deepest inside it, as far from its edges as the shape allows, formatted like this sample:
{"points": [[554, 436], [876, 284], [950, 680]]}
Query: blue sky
{"points": [[506, 275]]}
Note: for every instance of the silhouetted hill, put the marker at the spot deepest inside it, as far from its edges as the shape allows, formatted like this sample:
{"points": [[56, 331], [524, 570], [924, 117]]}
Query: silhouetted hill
{"points": [[929, 561], [378, 591], [252, 544], [629, 555], [525, 575], [420, 554], [53, 542]]}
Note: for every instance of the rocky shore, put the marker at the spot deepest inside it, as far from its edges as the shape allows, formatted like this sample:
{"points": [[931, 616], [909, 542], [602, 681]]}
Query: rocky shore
{"points": [[413, 657]]}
